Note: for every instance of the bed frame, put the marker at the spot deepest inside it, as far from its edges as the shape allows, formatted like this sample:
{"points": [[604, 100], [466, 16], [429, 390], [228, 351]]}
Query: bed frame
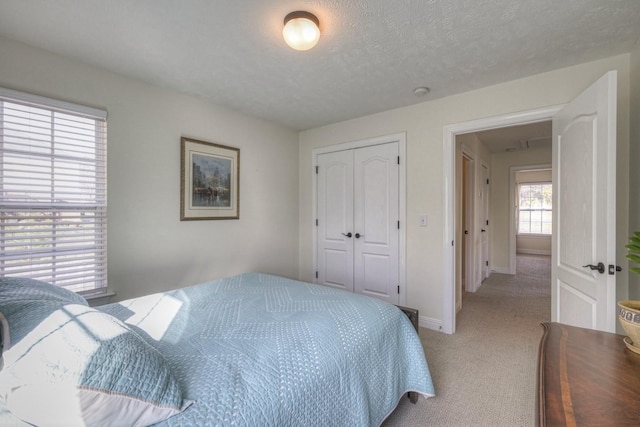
{"points": [[413, 316]]}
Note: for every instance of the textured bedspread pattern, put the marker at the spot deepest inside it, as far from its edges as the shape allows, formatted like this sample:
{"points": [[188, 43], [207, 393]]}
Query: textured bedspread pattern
{"points": [[258, 350]]}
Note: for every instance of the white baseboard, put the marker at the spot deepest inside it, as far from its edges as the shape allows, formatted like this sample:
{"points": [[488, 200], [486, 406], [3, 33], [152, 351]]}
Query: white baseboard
{"points": [[501, 270], [534, 252], [430, 323]]}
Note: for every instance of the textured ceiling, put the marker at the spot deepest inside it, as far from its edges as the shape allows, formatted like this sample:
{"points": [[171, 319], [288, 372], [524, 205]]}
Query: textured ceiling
{"points": [[516, 138], [371, 55]]}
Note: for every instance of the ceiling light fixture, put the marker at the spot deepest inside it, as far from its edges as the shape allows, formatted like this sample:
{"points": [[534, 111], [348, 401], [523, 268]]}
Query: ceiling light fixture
{"points": [[301, 30]]}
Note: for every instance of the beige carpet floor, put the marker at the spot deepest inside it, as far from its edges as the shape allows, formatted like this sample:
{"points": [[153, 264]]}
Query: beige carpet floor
{"points": [[485, 373]]}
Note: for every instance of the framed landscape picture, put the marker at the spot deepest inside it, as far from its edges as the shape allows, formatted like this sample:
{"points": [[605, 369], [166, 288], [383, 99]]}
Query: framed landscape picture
{"points": [[209, 181]]}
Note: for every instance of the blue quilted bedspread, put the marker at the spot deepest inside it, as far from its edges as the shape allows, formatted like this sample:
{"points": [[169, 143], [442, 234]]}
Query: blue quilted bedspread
{"points": [[261, 350]]}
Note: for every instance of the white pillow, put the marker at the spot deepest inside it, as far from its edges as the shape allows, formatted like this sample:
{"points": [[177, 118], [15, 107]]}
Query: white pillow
{"points": [[80, 366]]}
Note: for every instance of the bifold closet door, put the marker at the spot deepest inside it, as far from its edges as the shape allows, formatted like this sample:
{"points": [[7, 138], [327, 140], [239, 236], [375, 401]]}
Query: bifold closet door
{"points": [[335, 220], [376, 210], [357, 208]]}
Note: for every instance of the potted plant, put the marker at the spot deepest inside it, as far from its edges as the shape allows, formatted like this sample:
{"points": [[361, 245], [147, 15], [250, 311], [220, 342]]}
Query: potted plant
{"points": [[634, 250], [629, 314]]}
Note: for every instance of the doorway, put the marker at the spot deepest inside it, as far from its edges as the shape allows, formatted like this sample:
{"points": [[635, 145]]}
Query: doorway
{"points": [[450, 163]]}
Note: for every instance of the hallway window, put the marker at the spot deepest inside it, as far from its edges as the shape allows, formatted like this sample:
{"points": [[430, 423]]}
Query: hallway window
{"points": [[534, 211]]}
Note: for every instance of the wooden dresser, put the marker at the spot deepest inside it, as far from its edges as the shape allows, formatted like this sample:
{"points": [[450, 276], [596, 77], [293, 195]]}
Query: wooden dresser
{"points": [[586, 378]]}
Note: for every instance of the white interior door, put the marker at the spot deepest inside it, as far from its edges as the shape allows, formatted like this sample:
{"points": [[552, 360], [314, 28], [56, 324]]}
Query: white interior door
{"points": [[376, 234], [335, 219], [470, 263], [584, 208], [484, 218]]}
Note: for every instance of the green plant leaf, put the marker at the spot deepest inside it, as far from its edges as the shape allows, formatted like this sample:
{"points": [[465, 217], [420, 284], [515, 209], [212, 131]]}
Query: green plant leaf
{"points": [[633, 248]]}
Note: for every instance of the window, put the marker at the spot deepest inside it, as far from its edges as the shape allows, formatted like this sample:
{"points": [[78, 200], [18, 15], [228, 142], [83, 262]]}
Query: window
{"points": [[53, 198], [534, 212]]}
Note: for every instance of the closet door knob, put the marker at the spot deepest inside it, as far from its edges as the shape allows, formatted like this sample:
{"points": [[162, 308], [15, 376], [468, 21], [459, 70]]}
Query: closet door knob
{"points": [[348, 234], [358, 235]]}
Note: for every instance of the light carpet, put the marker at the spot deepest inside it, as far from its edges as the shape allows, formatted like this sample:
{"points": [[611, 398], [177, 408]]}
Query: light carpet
{"points": [[485, 373]]}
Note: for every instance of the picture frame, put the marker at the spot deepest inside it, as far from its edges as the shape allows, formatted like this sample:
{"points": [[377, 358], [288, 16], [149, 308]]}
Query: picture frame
{"points": [[209, 181]]}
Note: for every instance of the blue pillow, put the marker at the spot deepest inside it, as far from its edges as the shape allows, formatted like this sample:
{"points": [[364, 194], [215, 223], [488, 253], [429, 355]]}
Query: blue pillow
{"points": [[26, 302], [22, 288], [80, 366], [65, 363]]}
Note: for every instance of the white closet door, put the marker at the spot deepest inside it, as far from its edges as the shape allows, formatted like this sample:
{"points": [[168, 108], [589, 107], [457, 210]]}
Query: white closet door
{"points": [[375, 232], [335, 219]]}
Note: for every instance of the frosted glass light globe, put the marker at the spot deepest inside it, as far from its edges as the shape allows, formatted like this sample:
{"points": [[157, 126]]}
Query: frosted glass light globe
{"points": [[301, 30]]}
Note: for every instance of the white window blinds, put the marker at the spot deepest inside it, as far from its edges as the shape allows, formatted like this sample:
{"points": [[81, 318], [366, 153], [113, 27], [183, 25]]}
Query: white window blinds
{"points": [[53, 195]]}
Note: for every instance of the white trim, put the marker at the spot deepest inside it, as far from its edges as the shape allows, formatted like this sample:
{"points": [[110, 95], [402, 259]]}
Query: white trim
{"points": [[500, 270], [401, 139], [53, 103], [430, 323], [449, 139]]}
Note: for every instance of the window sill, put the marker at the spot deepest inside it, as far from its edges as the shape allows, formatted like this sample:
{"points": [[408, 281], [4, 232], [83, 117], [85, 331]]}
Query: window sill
{"points": [[99, 298]]}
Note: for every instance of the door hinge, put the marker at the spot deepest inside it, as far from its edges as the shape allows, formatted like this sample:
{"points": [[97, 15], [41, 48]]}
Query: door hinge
{"points": [[398, 159], [398, 225], [487, 181], [316, 170], [487, 263], [452, 243], [316, 274], [487, 222], [398, 288]]}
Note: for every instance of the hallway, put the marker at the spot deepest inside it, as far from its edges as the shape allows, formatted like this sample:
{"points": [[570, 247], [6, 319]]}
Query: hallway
{"points": [[485, 374]]}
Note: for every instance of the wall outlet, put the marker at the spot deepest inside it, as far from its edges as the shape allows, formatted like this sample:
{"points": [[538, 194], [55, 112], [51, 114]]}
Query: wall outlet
{"points": [[422, 220]]}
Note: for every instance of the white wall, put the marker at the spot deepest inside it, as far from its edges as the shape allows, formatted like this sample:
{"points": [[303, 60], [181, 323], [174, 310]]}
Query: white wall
{"points": [[423, 124], [634, 158], [149, 248]]}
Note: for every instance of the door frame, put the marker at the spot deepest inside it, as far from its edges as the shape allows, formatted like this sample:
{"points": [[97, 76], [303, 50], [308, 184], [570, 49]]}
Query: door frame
{"points": [[401, 139], [449, 172]]}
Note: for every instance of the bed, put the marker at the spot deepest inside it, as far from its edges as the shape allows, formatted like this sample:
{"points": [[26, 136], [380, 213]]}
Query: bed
{"points": [[247, 350]]}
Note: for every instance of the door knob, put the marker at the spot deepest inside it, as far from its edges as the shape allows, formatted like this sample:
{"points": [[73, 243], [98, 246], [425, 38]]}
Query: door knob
{"points": [[483, 230], [599, 267], [348, 234], [358, 235]]}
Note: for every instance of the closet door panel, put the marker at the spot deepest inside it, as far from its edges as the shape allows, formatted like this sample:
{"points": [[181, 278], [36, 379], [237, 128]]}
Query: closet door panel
{"points": [[376, 210], [335, 220]]}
